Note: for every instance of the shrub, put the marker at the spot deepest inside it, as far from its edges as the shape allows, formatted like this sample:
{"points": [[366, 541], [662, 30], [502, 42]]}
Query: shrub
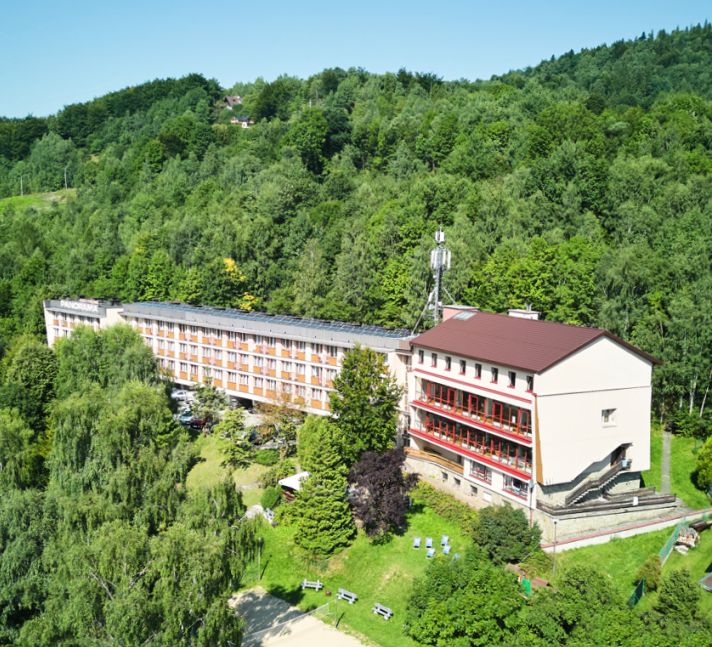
{"points": [[505, 534], [446, 506], [267, 457], [286, 514], [679, 596], [271, 498], [538, 564], [275, 474], [651, 570]]}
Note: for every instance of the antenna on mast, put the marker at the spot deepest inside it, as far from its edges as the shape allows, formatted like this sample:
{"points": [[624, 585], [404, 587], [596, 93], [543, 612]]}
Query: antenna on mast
{"points": [[440, 259]]}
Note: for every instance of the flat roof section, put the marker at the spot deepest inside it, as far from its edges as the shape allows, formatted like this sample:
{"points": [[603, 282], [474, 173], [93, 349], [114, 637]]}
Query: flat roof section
{"points": [[271, 325], [528, 344]]}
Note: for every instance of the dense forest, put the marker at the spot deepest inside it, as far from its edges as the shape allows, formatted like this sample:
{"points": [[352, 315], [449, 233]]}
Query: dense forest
{"points": [[581, 186]]}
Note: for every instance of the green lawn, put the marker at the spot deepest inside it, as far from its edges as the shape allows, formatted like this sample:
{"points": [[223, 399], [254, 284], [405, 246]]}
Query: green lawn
{"points": [[682, 469], [376, 573], [39, 200], [210, 469]]}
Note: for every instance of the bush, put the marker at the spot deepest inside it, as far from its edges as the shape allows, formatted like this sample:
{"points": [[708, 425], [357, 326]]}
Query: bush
{"points": [[267, 457], [275, 474], [286, 515], [651, 570], [538, 564], [679, 596], [271, 498], [446, 505], [505, 534]]}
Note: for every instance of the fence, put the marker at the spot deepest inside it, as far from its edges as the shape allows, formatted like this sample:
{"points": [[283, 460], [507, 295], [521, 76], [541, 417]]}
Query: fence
{"points": [[637, 594], [672, 540]]}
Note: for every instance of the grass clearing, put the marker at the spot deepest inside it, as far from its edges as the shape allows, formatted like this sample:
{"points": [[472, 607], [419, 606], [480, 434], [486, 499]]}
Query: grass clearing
{"points": [[37, 200], [683, 467], [210, 469], [381, 573]]}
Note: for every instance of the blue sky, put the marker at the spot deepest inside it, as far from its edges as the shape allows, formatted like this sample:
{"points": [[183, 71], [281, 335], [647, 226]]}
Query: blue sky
{"points": [[58, 53]]}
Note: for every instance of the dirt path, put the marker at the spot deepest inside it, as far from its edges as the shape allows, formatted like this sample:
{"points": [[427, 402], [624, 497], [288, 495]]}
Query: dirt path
{"points": [[665, 469], [262, 611]]}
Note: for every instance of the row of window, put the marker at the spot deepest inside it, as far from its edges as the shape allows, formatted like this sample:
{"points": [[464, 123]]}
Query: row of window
{"points": [[494, 371]]}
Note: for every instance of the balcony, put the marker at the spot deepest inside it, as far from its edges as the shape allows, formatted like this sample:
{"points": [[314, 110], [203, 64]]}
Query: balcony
{"points": [[496, 417], [506, 456], [431, 457]]}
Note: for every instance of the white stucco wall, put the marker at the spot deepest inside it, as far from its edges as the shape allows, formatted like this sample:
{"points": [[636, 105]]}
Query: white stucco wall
{"points": [[571, 397]]}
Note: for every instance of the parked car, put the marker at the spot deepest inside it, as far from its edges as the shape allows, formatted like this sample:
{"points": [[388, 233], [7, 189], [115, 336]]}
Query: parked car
{"points": [[197, 423], [180, 394], [185, 417]]}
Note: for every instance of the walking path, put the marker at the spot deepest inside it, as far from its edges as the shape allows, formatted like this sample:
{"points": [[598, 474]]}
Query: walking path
{"points": [[667, 444]]}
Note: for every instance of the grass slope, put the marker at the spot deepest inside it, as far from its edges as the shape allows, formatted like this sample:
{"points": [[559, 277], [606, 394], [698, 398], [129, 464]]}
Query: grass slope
{"points": [[210, 470], [376, 573], [37, 200], [683, 466]]}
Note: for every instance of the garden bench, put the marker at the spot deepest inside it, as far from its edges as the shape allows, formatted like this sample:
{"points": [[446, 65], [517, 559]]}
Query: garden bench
{"points": [[347, 595], [379, 609], [306, 584]]}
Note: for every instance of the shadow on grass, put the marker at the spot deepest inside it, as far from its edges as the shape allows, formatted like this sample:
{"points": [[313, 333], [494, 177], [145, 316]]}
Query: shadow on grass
{"points": [[264, 568], [294, 596]]}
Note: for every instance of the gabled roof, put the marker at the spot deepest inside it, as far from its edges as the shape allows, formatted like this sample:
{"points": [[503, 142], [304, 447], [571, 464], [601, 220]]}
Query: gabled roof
{"points": [[513, 341]]}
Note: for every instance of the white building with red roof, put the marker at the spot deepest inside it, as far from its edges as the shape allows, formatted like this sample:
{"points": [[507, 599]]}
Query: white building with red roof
{"points": [[550, 417]]}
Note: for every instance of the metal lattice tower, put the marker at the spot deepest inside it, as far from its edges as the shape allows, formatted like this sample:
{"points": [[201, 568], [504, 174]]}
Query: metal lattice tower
{"points": [[439, 262]]}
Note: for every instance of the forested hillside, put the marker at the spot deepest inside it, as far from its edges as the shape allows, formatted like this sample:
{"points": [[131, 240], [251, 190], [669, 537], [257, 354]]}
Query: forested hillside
{"points": [[581, 186]]}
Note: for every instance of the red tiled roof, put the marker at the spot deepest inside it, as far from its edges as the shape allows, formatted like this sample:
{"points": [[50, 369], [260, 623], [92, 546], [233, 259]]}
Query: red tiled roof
{"points": [[528, 344]]}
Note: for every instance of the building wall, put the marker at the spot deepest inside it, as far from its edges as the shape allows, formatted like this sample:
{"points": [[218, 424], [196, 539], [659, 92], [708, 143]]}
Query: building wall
{"points": [[571, 397]]}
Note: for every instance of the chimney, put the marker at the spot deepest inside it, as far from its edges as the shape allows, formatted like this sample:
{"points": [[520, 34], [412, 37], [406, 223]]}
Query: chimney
{"points": [[525, 314]]}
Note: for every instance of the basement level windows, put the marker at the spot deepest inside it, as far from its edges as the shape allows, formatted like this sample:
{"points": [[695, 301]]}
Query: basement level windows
{"points": [[434, 359], [512, 379], [494, 371], [608, 417], [478, 371]]}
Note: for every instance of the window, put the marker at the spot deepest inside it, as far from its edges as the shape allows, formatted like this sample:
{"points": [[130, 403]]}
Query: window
{"points": [[244, 380], [421, 356], [301, 369], [170, 325], [480, 472], [244, 360], [271, 385], [530, 383], [243, 338], [183, 348], [181, 329], [171, 346], [301, 346], [231, 377], [206, 352], [56, 332], [515, 486], [448, 363], [194, 350], [473, 490], [495, 374], [487, 497], [463, 366], [218, 354], [183, 367], [193, 330], [608, 416], [333, 351], [172, 366], [512, 379], [316, 394], [258, 382], [286, 367], [259, 362], [332, 374], [258, 339], [272, 364], [433, 359], [302, 391], [206, 371], [318, 348], [478, 371], [161, 344], [217, 374], [232, 357], [231, 335], [287, 388], [271, 342], [444, 476], [456, 482], [316, 371], [193, 369]]}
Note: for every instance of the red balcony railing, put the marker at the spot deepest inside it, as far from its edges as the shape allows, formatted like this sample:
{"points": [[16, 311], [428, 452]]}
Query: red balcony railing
{"points": [[504, 452], [498, 415]]}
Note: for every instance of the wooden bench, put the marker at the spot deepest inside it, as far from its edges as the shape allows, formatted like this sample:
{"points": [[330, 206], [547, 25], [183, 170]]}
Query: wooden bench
{"points": [[379, 609], [347, 595], [306, 584]]}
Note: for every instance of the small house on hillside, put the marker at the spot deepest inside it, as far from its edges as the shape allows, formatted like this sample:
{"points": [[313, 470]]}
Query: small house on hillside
{"points": [[245, 122], [233, 101], [292, 484]]}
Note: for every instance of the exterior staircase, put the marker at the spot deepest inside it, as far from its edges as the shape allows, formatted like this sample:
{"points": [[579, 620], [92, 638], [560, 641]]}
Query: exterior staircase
{"points": [[597, 484]]}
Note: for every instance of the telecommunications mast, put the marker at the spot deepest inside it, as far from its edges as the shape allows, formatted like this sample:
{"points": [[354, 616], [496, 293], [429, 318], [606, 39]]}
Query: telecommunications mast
{"points": [[439, 262]]}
